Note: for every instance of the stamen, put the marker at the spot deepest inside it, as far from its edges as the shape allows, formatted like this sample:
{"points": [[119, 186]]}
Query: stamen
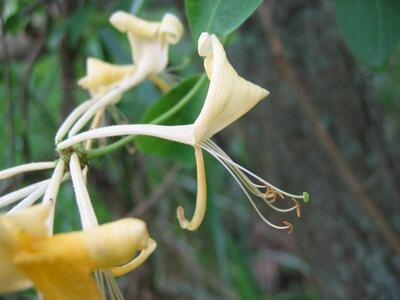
{"points": [[249, 198], [269, 196], [251, 186], [224, 156], [298, 209], [289, 225], [113, 288]]}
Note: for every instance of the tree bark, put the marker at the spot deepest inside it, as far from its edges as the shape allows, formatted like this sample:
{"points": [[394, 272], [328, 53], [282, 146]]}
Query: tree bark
{"points": [[349, 250]]}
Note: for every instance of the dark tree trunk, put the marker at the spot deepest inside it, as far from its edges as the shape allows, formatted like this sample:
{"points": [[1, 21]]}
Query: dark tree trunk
{"points": [[347, 232]]}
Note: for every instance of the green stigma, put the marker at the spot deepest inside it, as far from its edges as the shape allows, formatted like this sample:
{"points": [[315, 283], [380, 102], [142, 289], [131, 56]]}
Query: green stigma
{"points": [[306, 197]]}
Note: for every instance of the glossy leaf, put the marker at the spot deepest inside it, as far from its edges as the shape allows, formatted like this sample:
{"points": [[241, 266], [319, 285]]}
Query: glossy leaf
{"points": [[186, 115], [218, 16], [371, 28]]}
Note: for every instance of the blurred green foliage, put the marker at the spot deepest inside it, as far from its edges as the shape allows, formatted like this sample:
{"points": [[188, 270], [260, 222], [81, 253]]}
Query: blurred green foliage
{"points": [[371, 29], [221, 17]]}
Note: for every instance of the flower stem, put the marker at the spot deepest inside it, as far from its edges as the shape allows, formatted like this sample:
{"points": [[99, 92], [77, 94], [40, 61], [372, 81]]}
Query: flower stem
{"points": [[95, 153]]}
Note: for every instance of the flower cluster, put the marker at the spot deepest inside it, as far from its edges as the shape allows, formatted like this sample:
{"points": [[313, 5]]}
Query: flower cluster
{"points": [[61, 266]]}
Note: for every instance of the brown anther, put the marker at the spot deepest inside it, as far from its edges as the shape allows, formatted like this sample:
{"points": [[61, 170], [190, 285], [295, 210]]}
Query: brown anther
{"points": [[273, 198], [268, 193], [289, 225], [298, 209], [280, 194]]}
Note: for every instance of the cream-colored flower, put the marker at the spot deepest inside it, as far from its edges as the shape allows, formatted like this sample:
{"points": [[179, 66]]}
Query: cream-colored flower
{"points": [[106, 82], [61, 266], [229, 97], [149, 40], [102, 76]]}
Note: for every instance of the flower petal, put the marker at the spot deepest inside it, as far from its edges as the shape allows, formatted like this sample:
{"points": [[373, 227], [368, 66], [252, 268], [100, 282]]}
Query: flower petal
{"points": [[229, 95], [149, 40], [137, 261], [29, 221], [201, 199], [114, 244], [101, 76], [59, 267]]}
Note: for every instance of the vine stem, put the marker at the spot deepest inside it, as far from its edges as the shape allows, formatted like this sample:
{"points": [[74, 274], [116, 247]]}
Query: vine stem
{"points": [[99, 152]]}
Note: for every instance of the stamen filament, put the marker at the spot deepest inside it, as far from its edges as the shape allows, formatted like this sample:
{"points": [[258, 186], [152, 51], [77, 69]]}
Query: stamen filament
{"points": [[37, 166], [253, 188], [249, 198], [227, 158]]}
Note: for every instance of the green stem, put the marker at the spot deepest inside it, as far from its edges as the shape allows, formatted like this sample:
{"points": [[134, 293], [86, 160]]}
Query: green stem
{"points": [[95, 153]]}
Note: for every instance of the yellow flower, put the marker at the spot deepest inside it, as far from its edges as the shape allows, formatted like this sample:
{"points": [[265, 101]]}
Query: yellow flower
{"points": [[229, 97], [101, 76], [61, 266]]}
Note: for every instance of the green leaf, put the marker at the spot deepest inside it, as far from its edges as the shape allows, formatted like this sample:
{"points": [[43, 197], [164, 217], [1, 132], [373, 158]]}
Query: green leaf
{"points": [[218, 16], [190, 93], [78, 22], [371, 28]]}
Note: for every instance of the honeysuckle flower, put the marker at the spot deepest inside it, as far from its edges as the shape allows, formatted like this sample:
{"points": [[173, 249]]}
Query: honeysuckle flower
{"points": [[61, 266], [106, 83], [149, 40], [229, 97]]}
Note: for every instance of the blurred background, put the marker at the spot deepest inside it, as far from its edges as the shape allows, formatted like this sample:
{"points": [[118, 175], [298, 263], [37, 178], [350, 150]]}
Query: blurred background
{"points": [[331, 126]]}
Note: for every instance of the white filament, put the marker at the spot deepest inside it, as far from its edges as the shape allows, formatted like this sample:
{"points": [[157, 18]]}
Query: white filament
{"points": [[249, 197], [229, 160], [247, 182]]}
